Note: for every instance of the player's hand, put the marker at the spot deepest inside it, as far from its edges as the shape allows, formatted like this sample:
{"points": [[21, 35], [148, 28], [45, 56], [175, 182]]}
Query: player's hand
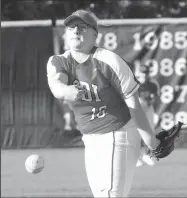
{"points": [[75, 93]]}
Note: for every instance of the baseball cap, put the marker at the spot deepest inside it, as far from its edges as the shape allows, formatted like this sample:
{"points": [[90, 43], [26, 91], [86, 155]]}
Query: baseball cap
{"points": [[84, 15]]}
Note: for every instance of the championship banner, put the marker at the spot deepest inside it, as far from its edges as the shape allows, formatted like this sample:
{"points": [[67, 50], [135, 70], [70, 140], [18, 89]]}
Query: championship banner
{"points": [[162, 47]]}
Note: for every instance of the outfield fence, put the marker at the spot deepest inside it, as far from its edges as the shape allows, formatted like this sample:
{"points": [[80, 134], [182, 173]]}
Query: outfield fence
{"points": [[31, 117]]}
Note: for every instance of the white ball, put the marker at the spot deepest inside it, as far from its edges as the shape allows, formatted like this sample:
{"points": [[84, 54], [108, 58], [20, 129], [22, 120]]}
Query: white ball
{"points": [[34, 164]]}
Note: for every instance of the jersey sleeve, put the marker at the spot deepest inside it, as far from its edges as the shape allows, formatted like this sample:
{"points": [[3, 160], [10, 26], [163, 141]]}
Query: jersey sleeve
{"points": [[120, 75], [124, 79], [55, 67], [128, 82]]}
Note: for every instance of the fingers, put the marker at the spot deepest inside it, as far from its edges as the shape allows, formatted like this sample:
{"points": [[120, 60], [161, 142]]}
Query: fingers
{"points": [[81, 89], [81, 93]]}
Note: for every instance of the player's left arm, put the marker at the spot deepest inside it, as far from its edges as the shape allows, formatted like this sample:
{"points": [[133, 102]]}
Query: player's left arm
{"points": [[126, 84], [141, 121]]}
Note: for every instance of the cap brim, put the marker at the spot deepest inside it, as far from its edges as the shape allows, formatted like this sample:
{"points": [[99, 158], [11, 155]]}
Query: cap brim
{"points": [[70, 18]]}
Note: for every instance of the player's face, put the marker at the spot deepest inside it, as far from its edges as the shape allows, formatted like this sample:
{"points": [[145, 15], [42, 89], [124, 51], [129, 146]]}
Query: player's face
{"points": [[80, 36]]}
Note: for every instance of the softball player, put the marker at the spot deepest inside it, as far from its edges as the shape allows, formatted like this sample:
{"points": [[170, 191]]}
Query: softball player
{"points": [[102, 92]]}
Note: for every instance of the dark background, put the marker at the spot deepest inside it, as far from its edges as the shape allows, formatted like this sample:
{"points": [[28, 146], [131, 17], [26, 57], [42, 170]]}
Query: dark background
{"points": [[104, 9]]}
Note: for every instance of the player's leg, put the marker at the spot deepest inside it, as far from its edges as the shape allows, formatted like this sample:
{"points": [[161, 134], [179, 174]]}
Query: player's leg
{"points": [[110, 161], [125, 159], [98, 152], [92, 161]]}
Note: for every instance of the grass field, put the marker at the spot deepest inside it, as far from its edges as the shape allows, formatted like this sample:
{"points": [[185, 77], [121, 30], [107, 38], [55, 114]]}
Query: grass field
{"points": [[64, 175]]}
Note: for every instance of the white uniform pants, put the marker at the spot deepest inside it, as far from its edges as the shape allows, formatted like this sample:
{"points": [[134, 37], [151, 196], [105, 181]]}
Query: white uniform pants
{"points": [[110, 161]]}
